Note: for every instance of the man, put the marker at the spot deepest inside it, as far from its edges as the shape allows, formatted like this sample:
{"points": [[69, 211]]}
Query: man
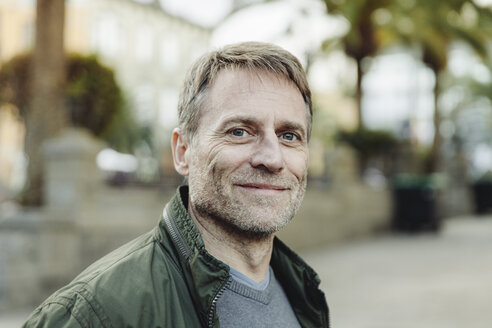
{"points": [[245, 118]]}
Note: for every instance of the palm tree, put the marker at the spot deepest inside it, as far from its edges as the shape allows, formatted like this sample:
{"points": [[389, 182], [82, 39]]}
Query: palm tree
{"points": [[46, 113], [433, 26], [365, 36]]}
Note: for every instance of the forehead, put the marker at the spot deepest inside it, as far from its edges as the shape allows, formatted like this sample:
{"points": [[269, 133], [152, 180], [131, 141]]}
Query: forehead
{"points": [[253, 92], [236, 80]]}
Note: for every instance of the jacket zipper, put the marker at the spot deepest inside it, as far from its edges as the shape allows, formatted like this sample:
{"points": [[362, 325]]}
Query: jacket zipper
{"points": [[214, 302], [176, 236]]}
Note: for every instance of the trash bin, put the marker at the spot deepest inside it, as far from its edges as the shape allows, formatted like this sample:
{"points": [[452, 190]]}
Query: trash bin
{"points": [[415, 203], [482, 194]]}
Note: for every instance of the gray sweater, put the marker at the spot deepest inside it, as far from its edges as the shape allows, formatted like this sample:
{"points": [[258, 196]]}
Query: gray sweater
{"points": [[246, 303]]}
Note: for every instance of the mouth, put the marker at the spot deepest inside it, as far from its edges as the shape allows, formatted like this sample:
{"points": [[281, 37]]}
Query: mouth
{"points": [[262, 186]]}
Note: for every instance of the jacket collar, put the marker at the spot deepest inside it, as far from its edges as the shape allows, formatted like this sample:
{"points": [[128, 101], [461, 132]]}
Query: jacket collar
{"points": [[205, 275], [208, 276], [302, 282]]}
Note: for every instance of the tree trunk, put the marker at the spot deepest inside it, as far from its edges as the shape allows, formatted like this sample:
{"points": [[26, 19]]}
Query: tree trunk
{"points": [[358, 94], [434, 162], [46, 113], [362, 161]]}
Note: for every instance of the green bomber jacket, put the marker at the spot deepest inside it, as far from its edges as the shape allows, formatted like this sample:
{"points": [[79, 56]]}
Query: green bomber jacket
{"points": [[166, 278]]}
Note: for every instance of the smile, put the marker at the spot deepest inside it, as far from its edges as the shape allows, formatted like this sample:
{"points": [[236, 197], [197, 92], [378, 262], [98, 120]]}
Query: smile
{"points": [[262, 186]]}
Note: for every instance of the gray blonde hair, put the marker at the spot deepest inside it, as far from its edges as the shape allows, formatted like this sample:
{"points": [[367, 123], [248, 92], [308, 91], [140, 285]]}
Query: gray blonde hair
{"points": [[253, 56]]}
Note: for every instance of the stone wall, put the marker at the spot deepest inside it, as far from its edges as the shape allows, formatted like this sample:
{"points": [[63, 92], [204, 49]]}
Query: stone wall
{"points": [[84, 219], [346, 209]]}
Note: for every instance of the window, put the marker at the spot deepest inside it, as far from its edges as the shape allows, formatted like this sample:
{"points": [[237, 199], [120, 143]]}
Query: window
{"points": [[144, 43], [106, 35], [170, 53]]}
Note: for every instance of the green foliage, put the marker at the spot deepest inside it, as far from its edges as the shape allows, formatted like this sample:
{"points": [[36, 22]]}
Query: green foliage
{"points": [[418, 181], [14, 82], [369, 143], [429, 24], [365, 36], [93, 98], [436, 24], [124, 135], [92, 93]]}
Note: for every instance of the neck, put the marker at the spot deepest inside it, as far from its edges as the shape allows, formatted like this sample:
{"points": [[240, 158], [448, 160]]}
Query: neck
{"points": [[251, 256]]}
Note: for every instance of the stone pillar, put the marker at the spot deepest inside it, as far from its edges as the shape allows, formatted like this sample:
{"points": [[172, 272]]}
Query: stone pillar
{"points": [[71, 175], [71, 183]]}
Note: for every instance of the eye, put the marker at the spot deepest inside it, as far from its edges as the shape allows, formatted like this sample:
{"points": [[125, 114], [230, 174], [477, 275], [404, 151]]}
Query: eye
{"points": [[289, 136], [238, 132]]}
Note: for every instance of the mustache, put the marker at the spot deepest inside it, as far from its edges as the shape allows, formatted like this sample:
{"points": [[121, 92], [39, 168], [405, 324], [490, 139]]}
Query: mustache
{"points": [[264, 178]]}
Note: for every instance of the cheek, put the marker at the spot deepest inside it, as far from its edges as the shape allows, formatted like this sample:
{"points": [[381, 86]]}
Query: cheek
{"points": [[297, 162], [227, 154], [217, 159]]}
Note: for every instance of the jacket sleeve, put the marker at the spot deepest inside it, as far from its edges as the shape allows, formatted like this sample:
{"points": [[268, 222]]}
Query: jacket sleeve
{"points": [[76, 310], [52, 315]]}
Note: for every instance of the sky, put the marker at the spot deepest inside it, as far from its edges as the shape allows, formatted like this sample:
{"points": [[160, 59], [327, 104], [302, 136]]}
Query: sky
{"points": [[298, 26], [207, 13], [211, 12], [305, 19]]}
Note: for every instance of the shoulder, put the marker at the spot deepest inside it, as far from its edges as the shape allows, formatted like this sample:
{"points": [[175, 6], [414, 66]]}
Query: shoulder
{"points": [[114, 288], [137, 254], [71, 307]]}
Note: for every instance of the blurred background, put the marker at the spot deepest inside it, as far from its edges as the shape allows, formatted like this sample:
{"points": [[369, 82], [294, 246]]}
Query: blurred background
{"points": [[400, 192]]}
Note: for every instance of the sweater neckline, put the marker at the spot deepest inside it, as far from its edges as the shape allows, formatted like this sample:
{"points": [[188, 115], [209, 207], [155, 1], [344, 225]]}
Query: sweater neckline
{"points": [[262, 296]]}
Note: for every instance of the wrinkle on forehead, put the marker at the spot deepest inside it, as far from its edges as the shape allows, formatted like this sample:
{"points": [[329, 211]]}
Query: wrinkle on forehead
{"points": [[258, 75], [244, 81]]}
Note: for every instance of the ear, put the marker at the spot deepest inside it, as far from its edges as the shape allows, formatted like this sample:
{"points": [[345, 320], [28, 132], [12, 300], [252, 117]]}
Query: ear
{"points": [[180, 146]]}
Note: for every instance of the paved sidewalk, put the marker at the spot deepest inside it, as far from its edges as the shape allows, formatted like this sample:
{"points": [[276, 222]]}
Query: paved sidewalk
{"points": [[418, 281], [402, 281]]}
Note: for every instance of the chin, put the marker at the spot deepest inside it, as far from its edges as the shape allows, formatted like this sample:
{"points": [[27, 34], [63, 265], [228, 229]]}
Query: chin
{"points": [[263, 223], [257, 232]]}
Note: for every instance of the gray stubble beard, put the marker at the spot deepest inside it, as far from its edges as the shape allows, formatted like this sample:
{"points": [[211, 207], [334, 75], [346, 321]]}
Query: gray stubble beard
{"points": [[235, 218]]}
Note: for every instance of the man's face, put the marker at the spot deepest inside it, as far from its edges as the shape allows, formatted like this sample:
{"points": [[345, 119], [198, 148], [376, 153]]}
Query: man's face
{"points": [[248, 158]]}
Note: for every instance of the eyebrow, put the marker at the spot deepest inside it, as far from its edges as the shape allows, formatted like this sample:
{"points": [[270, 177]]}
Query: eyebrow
{"points": [[248, 120]]}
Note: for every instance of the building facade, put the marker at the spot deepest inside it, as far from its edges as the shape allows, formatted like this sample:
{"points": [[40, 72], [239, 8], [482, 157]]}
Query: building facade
{"points": [[148, 49]]}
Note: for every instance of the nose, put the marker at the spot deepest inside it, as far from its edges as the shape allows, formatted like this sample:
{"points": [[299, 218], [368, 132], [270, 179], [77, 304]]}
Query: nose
{"points": [[268, 154]]}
